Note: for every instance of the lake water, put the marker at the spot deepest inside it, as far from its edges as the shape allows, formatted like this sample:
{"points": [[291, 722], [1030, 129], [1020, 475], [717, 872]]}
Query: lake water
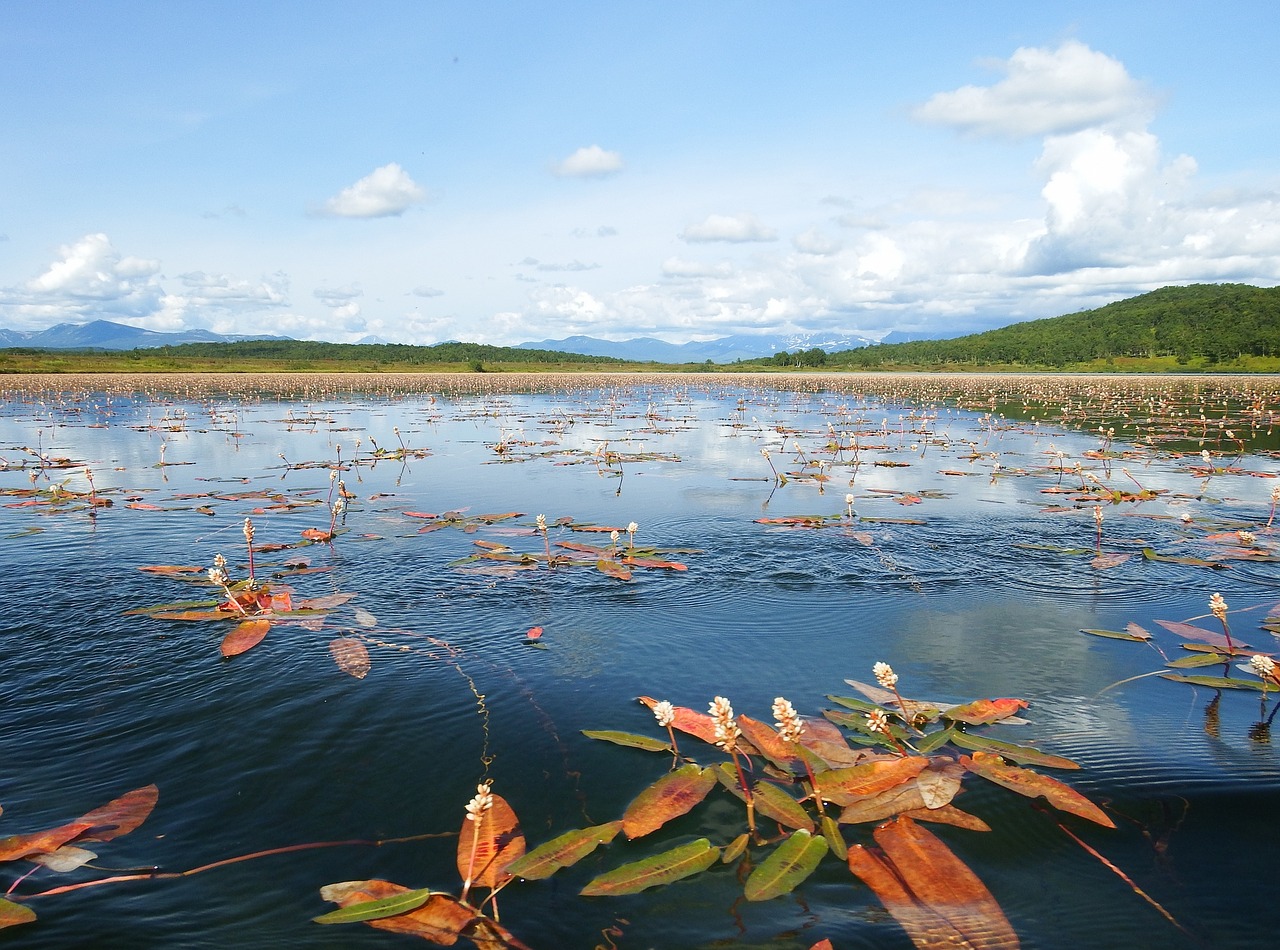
{"points": [[966, 563]]}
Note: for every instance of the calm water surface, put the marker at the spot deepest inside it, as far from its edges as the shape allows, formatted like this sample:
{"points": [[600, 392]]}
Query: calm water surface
{"points": [[978, 586]]}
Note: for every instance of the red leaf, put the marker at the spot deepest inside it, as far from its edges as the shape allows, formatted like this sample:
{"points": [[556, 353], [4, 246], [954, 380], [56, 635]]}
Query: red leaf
{"points": [[534, 633], [487, 845], [247, 635], [982, 711], [121, 815]]}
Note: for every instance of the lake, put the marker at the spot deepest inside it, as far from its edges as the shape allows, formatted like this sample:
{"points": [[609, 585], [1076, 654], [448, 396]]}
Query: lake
{"points": [[992, 520]]}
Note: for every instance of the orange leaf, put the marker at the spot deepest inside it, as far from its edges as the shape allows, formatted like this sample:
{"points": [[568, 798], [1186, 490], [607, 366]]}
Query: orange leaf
{"points": [[1032, 784], [121, 815], [143, 506], [846, 786], [655, 562], [675, 794], [168, 569], [982, 711], [534, 633], [613, 569], [487, 845], [41, 842], [698, 724], [934, 895], [317, 534], [325, 602], [772, 746], [247, 635], [351, 655], [948, 815]]}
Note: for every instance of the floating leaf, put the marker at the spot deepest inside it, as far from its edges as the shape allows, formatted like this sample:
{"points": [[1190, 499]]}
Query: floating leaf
{"points": [[364, 618], [487, 845], [844, 786], [948, 815], [665, 868], [41, 842], [441, 919], [351, 655], [1192, 632], [1213, 682], [982, 711], [247, 635], [1151, 555], [1102, 562], [12, 914], [400, 903], [675, 794], [1197, 660], [765, 738], [940, 782], [1018, 753], [534, 633], [936, 898], [121, 815], [1033, 785], [884, 804], [171, 570], [563, 851], [613, 569], [770, 800], [790, 863], [67, 858], [1116, 634], [629, 739], [325, 602]]}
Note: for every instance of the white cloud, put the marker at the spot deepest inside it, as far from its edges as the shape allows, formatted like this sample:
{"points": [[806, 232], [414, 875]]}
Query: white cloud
{"points": [[384, 192], [425, 291], [589, 162], [737, 229], [815, 242], [679, 268], [1046, 92]]}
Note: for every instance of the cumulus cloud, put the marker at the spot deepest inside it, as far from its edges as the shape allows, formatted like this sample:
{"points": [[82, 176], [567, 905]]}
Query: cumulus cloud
{"points": [[589, 162], [384, 192], [815, 242], [1046, 92], [736, 229]]}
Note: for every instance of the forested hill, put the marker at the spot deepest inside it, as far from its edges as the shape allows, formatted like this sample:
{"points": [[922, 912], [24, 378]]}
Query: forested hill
{"points": [[398, 353], [1212, 323]]}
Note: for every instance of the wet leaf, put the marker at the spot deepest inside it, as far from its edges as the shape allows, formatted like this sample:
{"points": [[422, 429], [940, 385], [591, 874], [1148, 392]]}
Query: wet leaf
{"points": [[364, 618], [1151, 555], [120, 815], [326, 602], [171, 570], [787, 867], [940, 782], [351, 655], [948, 815], [770, 800], [629, 739], [845, 786], [1018, 753], [772, 746], [533, 633], [247, 635], [12, 914], [1034, 785], [497, 842], [665, 868], [1117, 634], [1102, 562], [41, 842], [675, 794], [1192, 632], [698, 724], [441, 919], [613, 569], [936, 898], [374, 909], [1198, 660], [982, 711], [67, 858], [563, 851], [1213, 682]]}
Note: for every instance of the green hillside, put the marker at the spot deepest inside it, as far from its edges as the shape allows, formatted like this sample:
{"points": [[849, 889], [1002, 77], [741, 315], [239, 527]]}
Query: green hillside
{"points": [[1195, 326]]}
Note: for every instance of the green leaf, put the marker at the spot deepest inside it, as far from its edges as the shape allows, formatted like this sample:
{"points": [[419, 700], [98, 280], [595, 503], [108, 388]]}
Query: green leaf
{"points": [[835, 840], [563, 851], [1116, 635], [935, 740], [852, 702], [770, 800], [629, 739], [1215, 682], [665, 868], [1017, 753], [1151, 555], [12, 914], [1198, 659], [783, 871], [376, 910]]}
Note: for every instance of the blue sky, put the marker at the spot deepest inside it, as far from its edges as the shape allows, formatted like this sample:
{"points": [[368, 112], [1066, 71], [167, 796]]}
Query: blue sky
{"points": [[501, 173]]}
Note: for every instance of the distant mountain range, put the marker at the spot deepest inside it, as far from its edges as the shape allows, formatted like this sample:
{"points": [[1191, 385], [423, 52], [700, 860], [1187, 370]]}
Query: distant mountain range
{"points": [[724, 350], [105, 335]]}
